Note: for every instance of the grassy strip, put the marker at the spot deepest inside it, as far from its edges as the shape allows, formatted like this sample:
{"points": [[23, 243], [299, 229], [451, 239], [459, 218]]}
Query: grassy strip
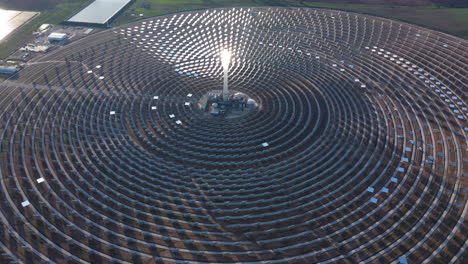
{"points": [[24, 34], [450, 20]]}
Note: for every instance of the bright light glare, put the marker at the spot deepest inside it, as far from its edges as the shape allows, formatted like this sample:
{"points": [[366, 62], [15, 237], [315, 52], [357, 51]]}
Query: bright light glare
{"points": [[225, 58], [5, 27], [10, 20]]}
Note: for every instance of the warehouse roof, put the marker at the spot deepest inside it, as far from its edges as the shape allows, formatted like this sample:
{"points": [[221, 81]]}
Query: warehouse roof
{"points": [[99, 12]]}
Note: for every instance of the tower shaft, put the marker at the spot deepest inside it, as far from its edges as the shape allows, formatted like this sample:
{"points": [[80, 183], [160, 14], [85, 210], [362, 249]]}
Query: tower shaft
{"points": [[225, 86]]}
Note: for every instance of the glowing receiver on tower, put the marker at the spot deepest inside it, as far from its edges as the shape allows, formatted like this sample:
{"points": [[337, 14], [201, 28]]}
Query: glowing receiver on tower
{"points": [[225, 60]]}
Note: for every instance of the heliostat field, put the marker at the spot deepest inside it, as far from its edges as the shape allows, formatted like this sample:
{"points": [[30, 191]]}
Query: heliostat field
{"points": [[356, 151]]}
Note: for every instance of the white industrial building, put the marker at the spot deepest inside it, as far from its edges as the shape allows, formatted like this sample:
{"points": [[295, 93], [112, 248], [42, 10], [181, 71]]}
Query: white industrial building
{"points": [[57, 37], [100, 12]]}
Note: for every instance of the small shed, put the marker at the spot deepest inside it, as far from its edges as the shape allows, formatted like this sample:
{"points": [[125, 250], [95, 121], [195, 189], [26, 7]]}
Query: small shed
{"points": [[57, 37], [8, 69]]}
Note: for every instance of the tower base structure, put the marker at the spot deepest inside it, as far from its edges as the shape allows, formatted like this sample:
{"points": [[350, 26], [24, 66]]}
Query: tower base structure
{"points": [[237, 104]]}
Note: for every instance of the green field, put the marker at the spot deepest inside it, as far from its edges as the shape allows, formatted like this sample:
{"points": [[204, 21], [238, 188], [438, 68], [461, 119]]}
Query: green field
{"points": [[450, 20], [21, 36]]}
